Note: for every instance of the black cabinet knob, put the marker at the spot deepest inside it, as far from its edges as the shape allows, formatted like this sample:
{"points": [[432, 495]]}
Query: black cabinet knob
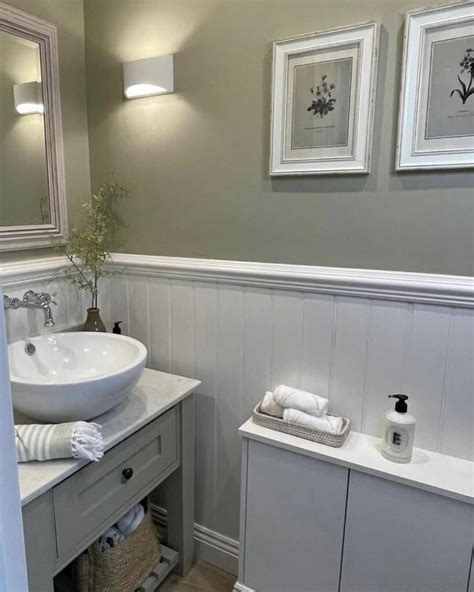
{"points": [[127, 473]]}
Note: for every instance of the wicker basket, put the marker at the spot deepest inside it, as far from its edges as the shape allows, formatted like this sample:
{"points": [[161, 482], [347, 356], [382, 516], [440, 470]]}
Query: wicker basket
{"points": [[275, 423], [123, 568]]}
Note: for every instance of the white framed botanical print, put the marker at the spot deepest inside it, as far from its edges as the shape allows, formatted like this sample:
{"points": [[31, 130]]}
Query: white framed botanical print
{"points": [[323, 100], [436, 120]]}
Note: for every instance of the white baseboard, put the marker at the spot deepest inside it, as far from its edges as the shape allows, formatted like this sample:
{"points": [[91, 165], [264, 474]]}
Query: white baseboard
{"points": [[211, 546]]}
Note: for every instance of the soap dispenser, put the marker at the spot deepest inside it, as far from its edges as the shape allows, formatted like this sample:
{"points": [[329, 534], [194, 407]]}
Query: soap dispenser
{"points": [[397, 443]]}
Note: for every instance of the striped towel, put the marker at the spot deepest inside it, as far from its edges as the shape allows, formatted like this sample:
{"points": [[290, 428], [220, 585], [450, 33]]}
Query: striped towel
{"points": [[64, 440]]}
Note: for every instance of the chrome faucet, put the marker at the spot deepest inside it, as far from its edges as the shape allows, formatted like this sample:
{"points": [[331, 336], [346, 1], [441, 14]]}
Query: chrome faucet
{"points": [[40, 300]]}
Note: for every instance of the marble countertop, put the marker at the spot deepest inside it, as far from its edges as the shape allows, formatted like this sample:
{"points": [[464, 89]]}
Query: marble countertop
{"points": [[437, 473], [155, 393]]}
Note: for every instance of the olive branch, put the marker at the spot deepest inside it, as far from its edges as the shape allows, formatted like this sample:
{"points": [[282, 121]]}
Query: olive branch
{"points": [[98, 233]]}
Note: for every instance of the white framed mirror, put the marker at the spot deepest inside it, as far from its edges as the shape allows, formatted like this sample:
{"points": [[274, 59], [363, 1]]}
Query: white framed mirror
{"points": [[32, 180]]}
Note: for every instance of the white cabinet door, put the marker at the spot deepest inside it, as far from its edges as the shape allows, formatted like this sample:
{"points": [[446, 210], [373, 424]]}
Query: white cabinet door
{"points": [[402, 539], [294, 522]]}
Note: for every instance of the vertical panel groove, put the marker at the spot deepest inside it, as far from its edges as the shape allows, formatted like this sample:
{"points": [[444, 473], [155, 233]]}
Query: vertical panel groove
{"points": [[445, 381], [170, 330], [333, 346], [147, 306], [216, 432], [172, 364], [193, 287], [302, 314], [272, 340], [408, 340], [242, 353], [366, 364], [127, 290]]}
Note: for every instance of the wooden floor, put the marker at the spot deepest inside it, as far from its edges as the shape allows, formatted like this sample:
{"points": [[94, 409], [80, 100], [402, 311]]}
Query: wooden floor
{"points": [[203, 577]]}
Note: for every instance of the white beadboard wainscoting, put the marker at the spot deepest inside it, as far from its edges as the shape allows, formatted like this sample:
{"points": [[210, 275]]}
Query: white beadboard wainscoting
{"points": [[41, 275], [354, 336]]}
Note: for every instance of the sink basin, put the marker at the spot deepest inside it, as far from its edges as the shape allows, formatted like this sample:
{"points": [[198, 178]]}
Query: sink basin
{"points": [[74, 376]]}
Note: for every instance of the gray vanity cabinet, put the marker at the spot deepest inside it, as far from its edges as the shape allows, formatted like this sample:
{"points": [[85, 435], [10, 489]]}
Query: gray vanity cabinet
{"points": [[40, 542], [401, 538], [66, 519], [293, 521], [86, 503]]}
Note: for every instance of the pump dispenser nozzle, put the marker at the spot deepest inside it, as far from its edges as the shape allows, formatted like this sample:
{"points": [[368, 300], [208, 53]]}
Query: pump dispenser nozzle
{"points": [[401, 405]]}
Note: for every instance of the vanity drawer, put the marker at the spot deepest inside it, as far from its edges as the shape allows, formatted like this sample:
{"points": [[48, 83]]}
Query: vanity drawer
{"points": [[94, 498]]}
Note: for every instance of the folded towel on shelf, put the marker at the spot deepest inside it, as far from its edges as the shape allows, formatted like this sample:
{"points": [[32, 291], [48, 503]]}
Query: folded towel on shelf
{"points": [[326, 423], [270, 406], [291, 398], [131, 521], [64, 440], [110, 539]]}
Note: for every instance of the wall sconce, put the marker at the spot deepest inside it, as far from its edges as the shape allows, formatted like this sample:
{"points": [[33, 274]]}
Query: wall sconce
{"points": [[28, 98], [147, 77]]}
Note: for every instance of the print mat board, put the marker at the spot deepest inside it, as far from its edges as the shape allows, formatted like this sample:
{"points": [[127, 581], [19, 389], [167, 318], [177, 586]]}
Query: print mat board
{"points": [[436, 120], [323, 101]]}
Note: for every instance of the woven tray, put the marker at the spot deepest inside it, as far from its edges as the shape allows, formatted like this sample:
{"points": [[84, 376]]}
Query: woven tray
{"points": [[275, 423]]}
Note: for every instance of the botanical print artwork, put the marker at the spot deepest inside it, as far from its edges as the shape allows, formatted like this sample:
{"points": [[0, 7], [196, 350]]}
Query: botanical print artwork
{"points": [[467, 66], [323, 99], [323, 93], [323, 120], [450, 109]]}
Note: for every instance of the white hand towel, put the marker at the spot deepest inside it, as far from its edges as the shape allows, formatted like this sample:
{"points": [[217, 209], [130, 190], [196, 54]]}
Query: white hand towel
{"points": [[326, 423], [131, 521], [270, 406], [63, 440], [291, 398]]}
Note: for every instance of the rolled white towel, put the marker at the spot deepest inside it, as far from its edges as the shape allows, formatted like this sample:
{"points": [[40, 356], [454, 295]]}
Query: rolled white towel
{"points": [[291, 398], [270, 406], [110, 539], [63, 440], [326, 423], [131, 521]]}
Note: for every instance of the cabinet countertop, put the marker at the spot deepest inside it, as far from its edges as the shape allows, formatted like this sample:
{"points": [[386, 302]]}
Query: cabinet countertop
{"points": [[437, 473], [155, 393]]}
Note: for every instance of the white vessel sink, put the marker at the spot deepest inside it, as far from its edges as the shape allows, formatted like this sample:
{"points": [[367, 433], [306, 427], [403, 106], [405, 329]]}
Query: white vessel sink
{"points": [[74, 376]]}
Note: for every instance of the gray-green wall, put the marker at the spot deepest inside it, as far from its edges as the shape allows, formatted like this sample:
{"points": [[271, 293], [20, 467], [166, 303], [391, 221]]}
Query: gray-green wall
{"points": [[196, 161], [68, 16]]}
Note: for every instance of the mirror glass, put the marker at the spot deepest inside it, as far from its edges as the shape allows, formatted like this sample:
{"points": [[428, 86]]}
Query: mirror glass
{"points": [[24, 195]]}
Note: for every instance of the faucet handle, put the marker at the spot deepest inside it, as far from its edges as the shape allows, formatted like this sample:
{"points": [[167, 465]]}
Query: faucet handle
{"points": [[53, 298], [30, 297]]}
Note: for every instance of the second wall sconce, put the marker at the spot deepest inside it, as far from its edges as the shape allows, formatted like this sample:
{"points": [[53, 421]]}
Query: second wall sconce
{"points": [[28, 98], [148, 77]]}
